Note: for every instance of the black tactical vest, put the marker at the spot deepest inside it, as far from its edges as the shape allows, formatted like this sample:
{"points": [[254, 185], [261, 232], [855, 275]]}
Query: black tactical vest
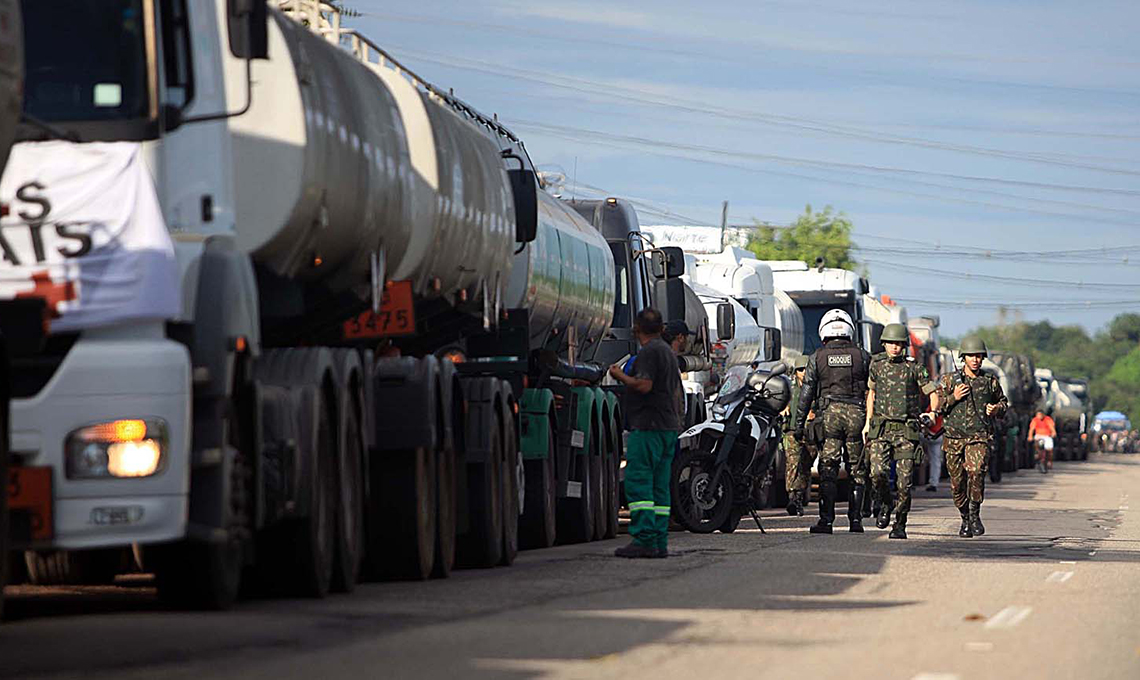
{"points": [[842, 369]]}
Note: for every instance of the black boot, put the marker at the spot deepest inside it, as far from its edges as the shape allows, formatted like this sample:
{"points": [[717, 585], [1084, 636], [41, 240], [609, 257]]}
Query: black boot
{"points": [[794, 507], [965, 531], [883, 517], [855, 509], [802, 504], [899, 530], [826, 509], [868, 511], [975, 519]]}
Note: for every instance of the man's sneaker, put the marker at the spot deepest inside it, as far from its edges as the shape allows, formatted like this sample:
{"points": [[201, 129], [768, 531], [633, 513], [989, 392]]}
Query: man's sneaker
{"points": [[931, 487], [635, 551], [820, 527], [660, 553]]}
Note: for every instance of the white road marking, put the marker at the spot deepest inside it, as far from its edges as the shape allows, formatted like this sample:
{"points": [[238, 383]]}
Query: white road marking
{"points": [[979, 646], [1068, 561], [1059, 576], [1009, 617]]}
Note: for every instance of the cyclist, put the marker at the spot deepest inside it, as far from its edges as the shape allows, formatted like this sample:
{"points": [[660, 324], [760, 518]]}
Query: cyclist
{"points": [[1043, 429]]}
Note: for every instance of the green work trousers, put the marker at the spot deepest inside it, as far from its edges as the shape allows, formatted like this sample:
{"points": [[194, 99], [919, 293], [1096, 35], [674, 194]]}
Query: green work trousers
{"points": [[649, 465]]}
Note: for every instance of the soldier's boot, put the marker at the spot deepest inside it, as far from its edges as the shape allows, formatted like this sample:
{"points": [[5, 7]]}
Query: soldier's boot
{"points": [[855, 509], [965, 531], [868, 511], [975, 519], [899, 530], [826, 509], [883, 518], [803, 503], [794, 507]]}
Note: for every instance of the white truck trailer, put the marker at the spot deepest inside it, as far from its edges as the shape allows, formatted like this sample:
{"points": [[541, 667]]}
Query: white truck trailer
{"points": [[287, 310]]}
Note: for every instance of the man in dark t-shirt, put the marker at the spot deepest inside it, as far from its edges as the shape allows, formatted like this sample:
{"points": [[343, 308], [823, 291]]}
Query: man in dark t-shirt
{"points": [[653, 422]]}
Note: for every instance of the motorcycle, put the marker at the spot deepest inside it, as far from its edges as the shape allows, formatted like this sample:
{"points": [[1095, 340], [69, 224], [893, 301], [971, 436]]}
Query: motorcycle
{"points": [[724, 461]]}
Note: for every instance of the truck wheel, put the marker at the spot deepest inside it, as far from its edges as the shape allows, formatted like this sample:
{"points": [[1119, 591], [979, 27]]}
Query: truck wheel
{"points": [[482, 546], [539, 519], [409, 497], [445, 526], [72, 567], [350, 506], [610, 469], [512, 471], [601, 488], [315, 535], [209, 575], [576, 515]]}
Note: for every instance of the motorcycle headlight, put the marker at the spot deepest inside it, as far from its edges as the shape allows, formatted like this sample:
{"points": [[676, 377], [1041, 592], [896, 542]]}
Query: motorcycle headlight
{"points": [[117, 448]]}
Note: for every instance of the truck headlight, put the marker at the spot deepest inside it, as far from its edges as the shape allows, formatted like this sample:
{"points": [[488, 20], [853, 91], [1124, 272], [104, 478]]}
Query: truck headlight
{"points": [[117, 448]]}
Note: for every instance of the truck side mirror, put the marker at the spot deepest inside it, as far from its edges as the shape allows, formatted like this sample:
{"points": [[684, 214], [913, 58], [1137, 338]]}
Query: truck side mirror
{"points": [[668, 262], [773, 346], [249, 28], [725, 321], [524, 186]]}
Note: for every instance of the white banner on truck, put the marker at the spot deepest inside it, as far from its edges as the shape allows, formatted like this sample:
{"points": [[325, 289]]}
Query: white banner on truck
{"points": [[80, 227]]}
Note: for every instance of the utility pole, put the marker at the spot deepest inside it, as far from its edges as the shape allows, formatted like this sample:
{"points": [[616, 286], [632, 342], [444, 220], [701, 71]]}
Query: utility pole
{"points": [[723, 223]]}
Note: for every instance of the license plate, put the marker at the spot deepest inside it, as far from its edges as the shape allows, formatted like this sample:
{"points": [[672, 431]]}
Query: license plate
{"points": [[397, 315], [29, 501]]}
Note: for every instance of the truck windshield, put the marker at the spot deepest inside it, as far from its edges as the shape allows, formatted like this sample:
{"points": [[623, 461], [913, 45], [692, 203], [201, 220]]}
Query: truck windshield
{"points": [[85, 61], [812, 315]]}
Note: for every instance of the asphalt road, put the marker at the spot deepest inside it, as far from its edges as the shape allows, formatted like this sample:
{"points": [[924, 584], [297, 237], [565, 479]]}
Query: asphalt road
{"points": [[1051, 591]]}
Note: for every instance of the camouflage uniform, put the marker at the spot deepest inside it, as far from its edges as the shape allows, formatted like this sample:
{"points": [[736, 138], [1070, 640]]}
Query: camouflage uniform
{"points": [[968, 435], [899, 384], [796, 457], [843, 425]]}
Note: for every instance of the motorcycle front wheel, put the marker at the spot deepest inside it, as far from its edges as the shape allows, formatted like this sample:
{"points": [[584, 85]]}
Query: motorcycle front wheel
{"points": [[696, 505]]}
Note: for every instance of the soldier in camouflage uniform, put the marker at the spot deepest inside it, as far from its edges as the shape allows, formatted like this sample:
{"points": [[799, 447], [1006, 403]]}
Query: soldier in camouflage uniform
{"points": [[797, 455], [893, 406], [971, 401], [835, 384]]}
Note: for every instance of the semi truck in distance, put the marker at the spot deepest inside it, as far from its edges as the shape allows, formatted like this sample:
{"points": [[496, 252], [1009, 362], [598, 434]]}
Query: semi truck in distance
{"points": [[288, 315], [815, 290]]}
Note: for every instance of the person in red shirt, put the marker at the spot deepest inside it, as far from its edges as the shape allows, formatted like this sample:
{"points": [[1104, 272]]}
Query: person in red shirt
{"points": [[1042, 428]]}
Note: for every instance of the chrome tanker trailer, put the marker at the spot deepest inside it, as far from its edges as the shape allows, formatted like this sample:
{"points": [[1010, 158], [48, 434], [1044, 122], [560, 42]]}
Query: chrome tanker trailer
{"points": [[253, 255]]}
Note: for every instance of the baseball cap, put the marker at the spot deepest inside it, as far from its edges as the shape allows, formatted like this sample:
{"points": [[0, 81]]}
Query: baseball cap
{"points": [[674, 328]]}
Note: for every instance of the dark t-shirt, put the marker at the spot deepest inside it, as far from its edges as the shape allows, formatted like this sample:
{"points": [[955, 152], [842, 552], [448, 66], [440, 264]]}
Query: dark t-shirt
{"points": [[655, 410]]}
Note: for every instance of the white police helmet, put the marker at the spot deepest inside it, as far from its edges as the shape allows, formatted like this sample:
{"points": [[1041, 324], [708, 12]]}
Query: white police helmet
{"points": [[836, 323]]}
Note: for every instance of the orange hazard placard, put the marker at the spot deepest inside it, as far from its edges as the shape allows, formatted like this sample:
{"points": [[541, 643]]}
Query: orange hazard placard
{"points": [[397, 315], [29, 490]]}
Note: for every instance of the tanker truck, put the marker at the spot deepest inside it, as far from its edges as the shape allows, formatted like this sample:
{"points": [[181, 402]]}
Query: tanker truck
{"points": [[11, 96], [290, 314]]}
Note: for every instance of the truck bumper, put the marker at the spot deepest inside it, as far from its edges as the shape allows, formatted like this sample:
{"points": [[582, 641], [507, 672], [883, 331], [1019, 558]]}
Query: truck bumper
{"points": [[123, 374]]}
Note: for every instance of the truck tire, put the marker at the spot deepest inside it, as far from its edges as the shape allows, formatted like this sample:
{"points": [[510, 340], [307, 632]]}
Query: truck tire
{"points": [[350, 501], [72, 567], [445, 522], [538, 524], [482, 545], [576, 515], [408, 493], [314, 537], [512, 486], [611, 469], [601, 487], [198, 575]]}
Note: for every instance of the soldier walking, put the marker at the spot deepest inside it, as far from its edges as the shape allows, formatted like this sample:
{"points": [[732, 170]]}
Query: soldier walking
{"points": [[797, 455], [971, 400], [835, 384], [893, 407]]}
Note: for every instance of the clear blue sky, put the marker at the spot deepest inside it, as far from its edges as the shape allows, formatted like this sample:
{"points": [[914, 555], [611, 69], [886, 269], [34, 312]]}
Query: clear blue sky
{"points": [[1011, 125]]}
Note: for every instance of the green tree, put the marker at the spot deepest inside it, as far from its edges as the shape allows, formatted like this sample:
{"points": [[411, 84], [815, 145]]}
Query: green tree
{"points": [[825, 234]]}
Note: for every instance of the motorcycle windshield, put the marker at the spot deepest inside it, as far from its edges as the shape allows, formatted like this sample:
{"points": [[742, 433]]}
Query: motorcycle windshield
{"points": [[735, 381]]}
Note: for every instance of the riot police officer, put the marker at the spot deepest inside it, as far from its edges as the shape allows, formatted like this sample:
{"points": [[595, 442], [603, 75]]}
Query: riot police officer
{"points": [[971, 400], [894, 431], [835, 385]]}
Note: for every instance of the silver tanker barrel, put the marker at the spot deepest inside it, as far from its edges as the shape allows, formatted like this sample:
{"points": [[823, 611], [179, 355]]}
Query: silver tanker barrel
{"points": [[11, 74], [340, 161], [565, 277]]}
